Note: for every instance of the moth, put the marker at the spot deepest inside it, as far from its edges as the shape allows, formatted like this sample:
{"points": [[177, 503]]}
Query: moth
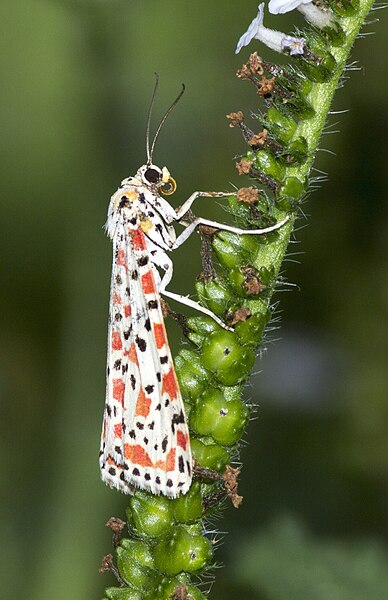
{"points": [[145, 440]]}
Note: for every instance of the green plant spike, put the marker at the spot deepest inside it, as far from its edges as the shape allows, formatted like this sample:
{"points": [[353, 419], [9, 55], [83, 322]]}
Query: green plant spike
{"points": [[166, 542]]}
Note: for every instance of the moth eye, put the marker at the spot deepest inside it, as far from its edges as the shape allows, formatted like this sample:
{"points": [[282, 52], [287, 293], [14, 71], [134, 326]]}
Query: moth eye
{"points": [[152, 175]]}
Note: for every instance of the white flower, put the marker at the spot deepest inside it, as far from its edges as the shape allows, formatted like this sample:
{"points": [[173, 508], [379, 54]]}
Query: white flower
{"points": [[312, 13], [279, 7], [276, 40]]}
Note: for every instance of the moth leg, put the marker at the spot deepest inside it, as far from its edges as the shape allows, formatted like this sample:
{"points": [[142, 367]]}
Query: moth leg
{"points": [[160, 259], [200, 221], [181, 211]]}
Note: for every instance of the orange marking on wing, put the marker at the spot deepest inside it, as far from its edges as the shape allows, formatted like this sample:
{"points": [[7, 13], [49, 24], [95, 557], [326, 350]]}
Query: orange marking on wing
{"points": [[120, 260], [169, 463], [116, 298], [142, 405], [111, 461], [170, 460], [138, 239], [170, 385], [137, 455], [148, 283], [160, 335], [118, 390], [118, 430], [182, 439], [116, 341], [132, 355], [127, 310]]}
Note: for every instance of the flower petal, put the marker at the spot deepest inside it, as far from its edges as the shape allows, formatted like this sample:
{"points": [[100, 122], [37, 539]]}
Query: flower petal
{"points": [[279, 7], [252, 30]]}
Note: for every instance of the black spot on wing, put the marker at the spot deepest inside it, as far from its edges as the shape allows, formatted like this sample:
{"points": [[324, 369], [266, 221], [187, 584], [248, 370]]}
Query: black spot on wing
{"points": [[141, 344], [177, 419], [181, 464], [143, 260]]}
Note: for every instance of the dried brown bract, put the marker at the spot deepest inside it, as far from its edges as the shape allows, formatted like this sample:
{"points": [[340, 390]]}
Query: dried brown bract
{"points": [[239, 315], [256, 64], [248, 195], [235, 118], [266, 86], [180, 593], [252, 283], [106, 564], [244, 166], [230, 478], [258, 139], [244, 73], [115, 524]]}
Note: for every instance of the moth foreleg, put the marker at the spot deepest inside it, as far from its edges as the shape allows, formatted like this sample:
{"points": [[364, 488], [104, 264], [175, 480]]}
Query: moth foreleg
{"points": [[222, 226], [160, 259], [182, 210]]}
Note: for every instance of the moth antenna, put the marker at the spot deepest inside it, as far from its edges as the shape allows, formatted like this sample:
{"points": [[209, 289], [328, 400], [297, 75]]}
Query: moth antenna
{"points": [[149, 154]]}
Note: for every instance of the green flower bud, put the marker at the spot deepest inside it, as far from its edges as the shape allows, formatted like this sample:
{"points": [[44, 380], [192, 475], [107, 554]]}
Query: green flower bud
{"points": [[251, 331], [266, 163], [226, 358], [209, 456], [233, 250], [182, 551], [296, 151], [245, 281], [291, 188], [237, 280], [344, 8], [169, 588], [267, 275], [296, 106], [150, 515], [192, 376], [334, 34], [322, 72], [126, 593], [214, 294], [282, 127], [222, 419], [305, 87], [188, 507], [131, 571], [134, 561]]}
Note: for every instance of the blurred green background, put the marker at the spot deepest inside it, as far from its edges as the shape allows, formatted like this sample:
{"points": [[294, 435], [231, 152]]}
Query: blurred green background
{"points": [[76, 81]]}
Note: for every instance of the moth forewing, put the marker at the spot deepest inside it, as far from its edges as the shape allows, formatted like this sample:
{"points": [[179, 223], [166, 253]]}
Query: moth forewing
{"points": [[145, 440]]}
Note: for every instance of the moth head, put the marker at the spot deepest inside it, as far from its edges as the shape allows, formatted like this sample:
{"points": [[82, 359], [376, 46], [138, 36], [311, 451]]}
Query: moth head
{"points": [[157, 179]]}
